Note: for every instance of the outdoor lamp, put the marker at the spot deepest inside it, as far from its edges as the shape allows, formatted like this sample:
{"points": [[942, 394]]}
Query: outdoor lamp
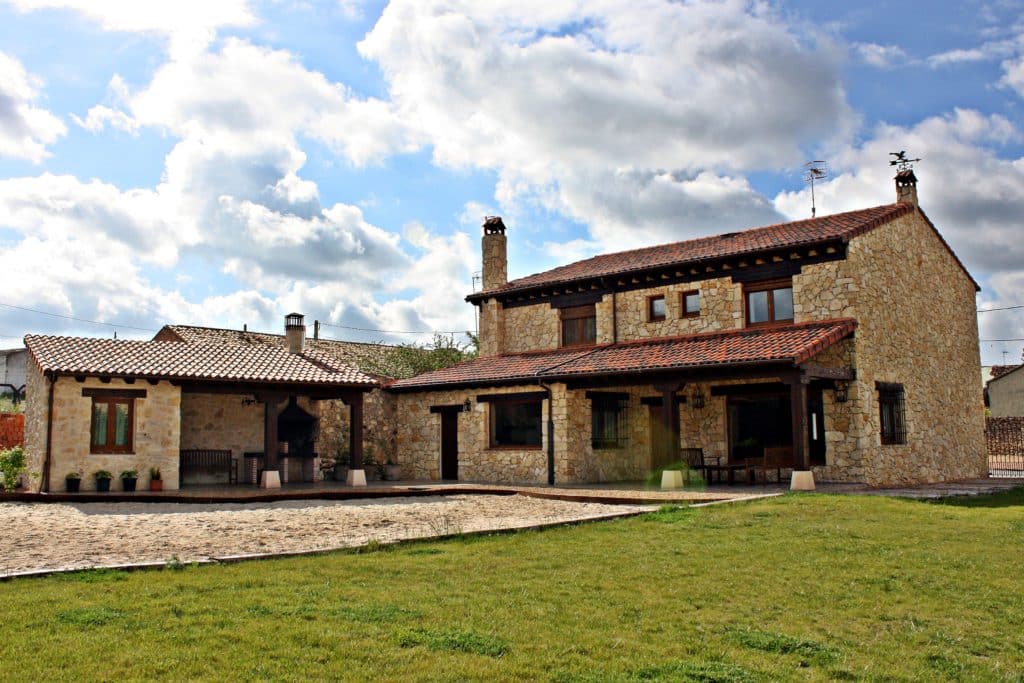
{"points": [[698, 400], [841, 392], [467, 406]]}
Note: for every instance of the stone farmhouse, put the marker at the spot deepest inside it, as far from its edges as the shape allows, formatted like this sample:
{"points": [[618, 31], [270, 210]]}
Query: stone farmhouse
{"points": [[845, 345], [201, 403]]}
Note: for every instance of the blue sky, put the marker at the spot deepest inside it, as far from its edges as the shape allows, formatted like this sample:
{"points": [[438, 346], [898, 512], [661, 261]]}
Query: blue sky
{"points": [[223, 163]]}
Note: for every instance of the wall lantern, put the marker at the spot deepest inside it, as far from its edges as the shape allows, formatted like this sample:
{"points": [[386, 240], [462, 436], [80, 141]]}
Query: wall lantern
{"points": [[467, 406], [698, 400], [841, 392]]}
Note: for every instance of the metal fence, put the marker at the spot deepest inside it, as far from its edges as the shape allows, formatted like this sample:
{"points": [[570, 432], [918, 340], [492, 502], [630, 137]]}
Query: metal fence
{"points": [[1004, 437]]}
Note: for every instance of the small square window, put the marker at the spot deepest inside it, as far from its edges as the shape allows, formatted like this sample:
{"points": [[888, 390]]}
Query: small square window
{"points": [[656, 308], [691, 304]]}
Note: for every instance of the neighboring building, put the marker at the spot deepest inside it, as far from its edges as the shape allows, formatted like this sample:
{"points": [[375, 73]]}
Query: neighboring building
{"points": [[1006, 391], [116, 405], [12, 372], [846, 344]]}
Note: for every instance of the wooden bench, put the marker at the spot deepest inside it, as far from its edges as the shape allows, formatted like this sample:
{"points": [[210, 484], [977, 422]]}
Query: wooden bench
{"points": [[696, 460], [211, 460]]}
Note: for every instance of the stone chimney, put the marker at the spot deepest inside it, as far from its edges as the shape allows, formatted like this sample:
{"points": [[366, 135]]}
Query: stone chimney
{"points": [[495, 251], [295, 332], [906, 187]]}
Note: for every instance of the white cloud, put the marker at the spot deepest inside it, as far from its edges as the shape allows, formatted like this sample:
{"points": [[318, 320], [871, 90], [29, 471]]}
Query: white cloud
{"points": [[190, 24], [25, 129], [1013, 74], [579, 105], [99, 117], [880, 56]]}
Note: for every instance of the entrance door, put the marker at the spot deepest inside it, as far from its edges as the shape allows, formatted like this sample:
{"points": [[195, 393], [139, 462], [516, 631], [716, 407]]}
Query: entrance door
{"points": [[449, 445]]}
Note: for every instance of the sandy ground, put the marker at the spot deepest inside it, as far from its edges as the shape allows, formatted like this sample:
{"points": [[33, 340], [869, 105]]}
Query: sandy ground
{"points": [[44, 536]]}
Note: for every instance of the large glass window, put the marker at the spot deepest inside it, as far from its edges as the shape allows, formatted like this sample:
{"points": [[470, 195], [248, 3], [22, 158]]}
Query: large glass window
{"points": [[515, 423], [579, 325], [769, 302], [112, 425], [891, 413]]}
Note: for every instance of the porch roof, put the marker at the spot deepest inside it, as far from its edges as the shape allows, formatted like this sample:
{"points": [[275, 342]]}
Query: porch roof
{"points": [[191, 362], [785, 345]]}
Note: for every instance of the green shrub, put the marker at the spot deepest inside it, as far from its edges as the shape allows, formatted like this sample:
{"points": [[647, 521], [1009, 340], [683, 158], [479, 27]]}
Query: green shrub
{"points": [[102, 474], [12, 466], [130, 474]]}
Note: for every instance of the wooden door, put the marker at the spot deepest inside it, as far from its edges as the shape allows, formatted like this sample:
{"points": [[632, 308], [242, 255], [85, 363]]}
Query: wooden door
{"points": [[449, 445]]}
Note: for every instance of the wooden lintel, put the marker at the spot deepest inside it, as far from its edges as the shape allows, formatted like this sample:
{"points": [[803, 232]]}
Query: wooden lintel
{"points": [[113, 393], [129, 380], [823, 372], [518, 396]]}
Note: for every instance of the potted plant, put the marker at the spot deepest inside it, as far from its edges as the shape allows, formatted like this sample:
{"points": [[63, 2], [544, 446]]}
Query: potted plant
{"points": [[341, 462], [155, 482], [102, 478], [72, 481], [128, 480], [392, 470]]}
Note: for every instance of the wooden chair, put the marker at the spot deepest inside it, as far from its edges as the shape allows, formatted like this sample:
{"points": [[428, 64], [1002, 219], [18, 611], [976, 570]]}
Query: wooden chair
{"points": [[708, 465]]}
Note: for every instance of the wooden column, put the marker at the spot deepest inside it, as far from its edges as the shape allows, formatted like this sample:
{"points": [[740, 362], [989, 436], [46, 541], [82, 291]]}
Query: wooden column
{"points": [[798, 408], [355, 431], [669, 447], [270, 412]]}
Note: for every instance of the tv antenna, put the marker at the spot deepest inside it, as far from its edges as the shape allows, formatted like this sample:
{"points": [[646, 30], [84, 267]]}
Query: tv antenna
{"points": [[901, 162], [815, 170]]}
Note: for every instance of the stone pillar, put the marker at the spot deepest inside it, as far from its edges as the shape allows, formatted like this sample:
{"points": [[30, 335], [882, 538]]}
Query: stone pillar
{"points": [[492, 328]]}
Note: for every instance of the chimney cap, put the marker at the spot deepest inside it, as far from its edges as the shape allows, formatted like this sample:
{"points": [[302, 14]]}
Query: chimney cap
{"points": [[294, 320], [493, 225], [906, 177]]}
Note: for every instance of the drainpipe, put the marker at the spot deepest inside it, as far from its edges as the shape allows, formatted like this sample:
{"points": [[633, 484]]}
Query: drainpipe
{"points": [[44, 485], [551, 434]]}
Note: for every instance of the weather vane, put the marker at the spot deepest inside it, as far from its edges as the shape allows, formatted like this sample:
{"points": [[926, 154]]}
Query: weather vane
{"points": [[815, 170], [901, 162]]}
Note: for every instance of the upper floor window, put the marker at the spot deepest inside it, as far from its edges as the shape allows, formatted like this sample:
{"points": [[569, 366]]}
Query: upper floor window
{"points": [[656, 308], [112, 424], [769, 302], [579, 325], [690, 303], [891, 413]]}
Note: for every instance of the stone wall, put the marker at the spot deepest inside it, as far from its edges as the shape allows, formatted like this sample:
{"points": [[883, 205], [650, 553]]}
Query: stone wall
{"points": [[36, 411], [916, 326], [721, 308], [222, 422], [157, 419], [419, 439], [379, 428], [529, 328]]}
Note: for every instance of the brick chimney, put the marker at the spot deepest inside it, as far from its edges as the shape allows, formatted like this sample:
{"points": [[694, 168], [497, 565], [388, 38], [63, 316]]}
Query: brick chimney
{"points": [[906, 187], [495, 251], [295, 332]]}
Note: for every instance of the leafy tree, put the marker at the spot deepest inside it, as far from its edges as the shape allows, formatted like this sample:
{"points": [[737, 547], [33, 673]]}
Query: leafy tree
{"points": [[408, 360]]}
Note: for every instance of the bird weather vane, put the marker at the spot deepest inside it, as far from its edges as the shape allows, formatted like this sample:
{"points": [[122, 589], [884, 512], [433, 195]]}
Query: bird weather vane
{"points": [[901, 162], [815, 170]]}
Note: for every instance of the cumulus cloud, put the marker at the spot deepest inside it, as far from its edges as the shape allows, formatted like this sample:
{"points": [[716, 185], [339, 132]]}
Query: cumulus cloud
{"points": [[579, 104], [25, 129], [880, 56]]}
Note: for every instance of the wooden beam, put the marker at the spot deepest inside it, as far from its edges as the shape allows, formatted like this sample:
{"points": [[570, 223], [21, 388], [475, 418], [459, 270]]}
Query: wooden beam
{"points": [[453, 408], [823, 372], [519, 396], [355, 433], [113, 393]]}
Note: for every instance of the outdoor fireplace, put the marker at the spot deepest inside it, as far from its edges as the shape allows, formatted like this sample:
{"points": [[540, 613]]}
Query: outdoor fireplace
{"points": [[298, 429]]}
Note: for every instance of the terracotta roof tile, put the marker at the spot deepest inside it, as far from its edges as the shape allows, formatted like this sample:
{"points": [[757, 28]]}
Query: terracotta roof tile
{"points": [[367, 357], [998, 371], [779, 236], [175, 360], [790, 343]]}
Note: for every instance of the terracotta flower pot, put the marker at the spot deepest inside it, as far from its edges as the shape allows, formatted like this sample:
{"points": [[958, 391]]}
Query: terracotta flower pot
{"points": [[156, 484]]}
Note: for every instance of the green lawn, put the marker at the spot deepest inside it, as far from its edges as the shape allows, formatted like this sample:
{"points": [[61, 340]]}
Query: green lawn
{"points": [[798, 588]]}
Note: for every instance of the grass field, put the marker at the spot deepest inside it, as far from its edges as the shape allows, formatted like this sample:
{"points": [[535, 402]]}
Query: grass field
{"points": [[803, 587]]}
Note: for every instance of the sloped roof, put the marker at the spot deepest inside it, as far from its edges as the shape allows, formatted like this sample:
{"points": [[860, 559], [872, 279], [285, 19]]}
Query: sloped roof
{"points": [[790, 343], [200, 362], [380, 360], [997, 371], [803, 233]]}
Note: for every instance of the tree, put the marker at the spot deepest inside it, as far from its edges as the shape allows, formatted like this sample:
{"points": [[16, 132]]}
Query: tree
{"points": [[409, 360]]}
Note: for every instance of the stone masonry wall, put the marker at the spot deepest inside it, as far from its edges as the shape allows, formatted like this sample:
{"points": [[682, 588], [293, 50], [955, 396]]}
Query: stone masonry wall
{"points": [[157, 419], [222, 422], [419, 440], [36, 408]]}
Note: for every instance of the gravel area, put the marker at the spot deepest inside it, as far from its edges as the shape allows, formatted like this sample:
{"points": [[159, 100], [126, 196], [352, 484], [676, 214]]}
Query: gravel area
{"points": [[52, 536]]}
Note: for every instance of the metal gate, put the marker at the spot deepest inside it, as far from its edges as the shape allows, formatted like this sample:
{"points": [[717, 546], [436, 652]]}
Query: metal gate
{"points": [[1004, 437]]}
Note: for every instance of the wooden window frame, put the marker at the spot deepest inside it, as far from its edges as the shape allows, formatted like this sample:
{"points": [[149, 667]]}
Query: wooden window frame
{"points": [[651, 317], [892, 396], [492, 418], [683, 313], [111, 400], [576, 314], [616, 405], [766, 286]]}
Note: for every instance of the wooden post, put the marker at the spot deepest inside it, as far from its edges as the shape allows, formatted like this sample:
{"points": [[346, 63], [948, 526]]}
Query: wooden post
{"points": [[798, 408], [270, 446], [670, 421], [355, 431]]}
